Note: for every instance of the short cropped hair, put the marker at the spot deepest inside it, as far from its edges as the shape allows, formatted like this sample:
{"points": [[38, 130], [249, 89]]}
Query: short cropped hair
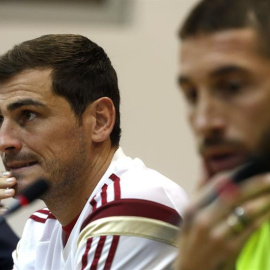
{"points": [[211, 16], [81, 70]]}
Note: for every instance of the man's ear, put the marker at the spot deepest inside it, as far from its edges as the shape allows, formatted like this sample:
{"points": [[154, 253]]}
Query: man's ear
{"points": [[103, 116]]}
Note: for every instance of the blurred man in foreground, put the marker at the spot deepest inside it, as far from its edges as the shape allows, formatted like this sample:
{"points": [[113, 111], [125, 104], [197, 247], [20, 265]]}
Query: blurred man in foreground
{"points": [[60, 120], [225, 79]]}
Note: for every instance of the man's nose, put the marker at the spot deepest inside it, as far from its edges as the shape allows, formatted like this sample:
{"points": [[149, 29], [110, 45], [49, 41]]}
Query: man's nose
{"points": [[209, 117], [9, 139]]}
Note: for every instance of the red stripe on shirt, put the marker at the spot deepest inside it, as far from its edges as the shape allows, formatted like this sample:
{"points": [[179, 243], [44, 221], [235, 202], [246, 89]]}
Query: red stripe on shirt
{"points": [[85, 255], [104, 194], [112, 252], [137, 208], [117, 194], [98, 252], [116, 184], [51, 216], [44, 211], [40, 219], [93, 203]]}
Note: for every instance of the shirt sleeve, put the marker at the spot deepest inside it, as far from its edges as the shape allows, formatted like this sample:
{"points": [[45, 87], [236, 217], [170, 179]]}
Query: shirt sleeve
{"points": [[128, 234]]}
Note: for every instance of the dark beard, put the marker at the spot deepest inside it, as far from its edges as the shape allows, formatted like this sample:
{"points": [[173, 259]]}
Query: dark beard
{"points": [[257, 163], [263, 150], [260, 154]]}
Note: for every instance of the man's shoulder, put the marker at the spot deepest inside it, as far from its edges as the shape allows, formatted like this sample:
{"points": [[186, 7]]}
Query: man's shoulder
{"points": [[139, 181], [144, 194], [41, 216], [39, 226], [134, 172]]}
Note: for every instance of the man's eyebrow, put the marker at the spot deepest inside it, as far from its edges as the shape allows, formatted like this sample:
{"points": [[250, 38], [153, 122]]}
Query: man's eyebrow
{"points": [[226, 70], [220, 71], [24, 102], [182, 79]]}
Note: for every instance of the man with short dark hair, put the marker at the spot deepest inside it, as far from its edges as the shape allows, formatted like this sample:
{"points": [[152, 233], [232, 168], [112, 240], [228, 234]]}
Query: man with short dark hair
{"points": [[60, 120], [225, 79]]}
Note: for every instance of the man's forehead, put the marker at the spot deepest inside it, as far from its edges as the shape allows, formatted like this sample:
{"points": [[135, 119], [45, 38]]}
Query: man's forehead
{"points": [[45, 71], [226, 48], [223, 41], [27, 87], [28, 77]]}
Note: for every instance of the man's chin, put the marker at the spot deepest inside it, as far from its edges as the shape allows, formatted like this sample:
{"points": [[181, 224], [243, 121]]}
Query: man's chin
{"points": [[224, 166], [22, 183]]}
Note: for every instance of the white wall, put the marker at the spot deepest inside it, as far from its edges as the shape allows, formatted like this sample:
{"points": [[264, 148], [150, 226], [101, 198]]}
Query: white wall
{"points": [[144, 53]]}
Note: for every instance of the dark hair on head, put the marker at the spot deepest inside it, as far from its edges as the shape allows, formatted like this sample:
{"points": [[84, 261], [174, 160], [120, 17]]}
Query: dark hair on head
{"points": [[210, 16], [81, 70]]}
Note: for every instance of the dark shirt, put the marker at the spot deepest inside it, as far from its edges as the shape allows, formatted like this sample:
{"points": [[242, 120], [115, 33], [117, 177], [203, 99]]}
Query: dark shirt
{"points": [[8, 242]]}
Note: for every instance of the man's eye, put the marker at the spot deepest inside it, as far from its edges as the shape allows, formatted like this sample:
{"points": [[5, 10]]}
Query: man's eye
{"points": [[231, 87], [28, 116], [191, 95]]}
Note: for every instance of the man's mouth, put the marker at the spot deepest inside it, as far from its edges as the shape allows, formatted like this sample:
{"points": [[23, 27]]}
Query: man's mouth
{"points": [[19, 165], [220, 162]]}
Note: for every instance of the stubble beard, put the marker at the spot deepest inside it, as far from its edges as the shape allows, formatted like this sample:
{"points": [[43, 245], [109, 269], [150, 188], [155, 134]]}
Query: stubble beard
{"points": [[66, 178]]}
